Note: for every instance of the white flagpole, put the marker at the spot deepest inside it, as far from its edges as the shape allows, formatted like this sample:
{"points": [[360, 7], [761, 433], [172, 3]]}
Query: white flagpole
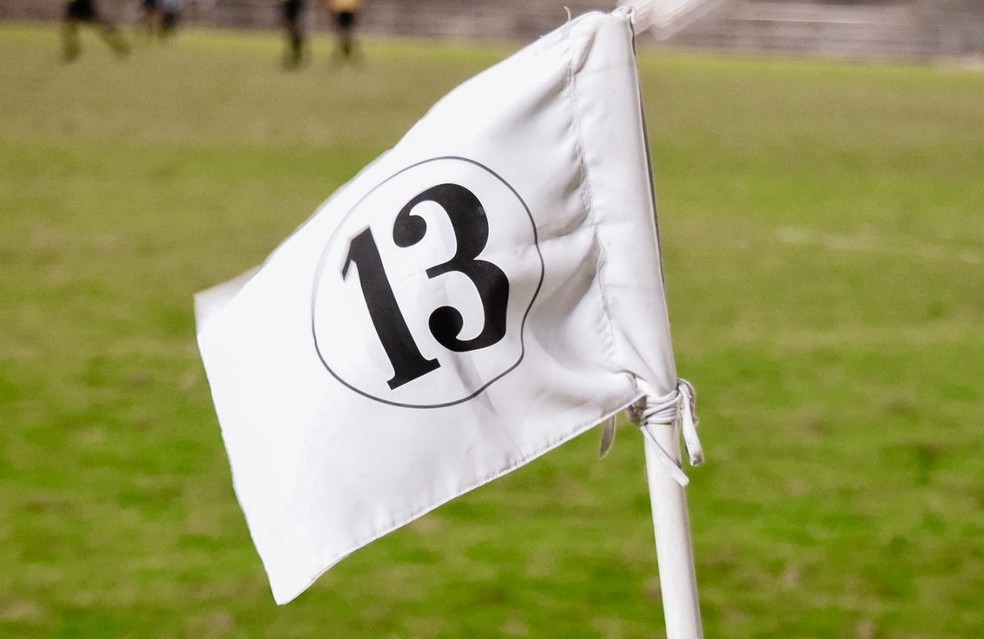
{"points": [[674, 549], [662, 432]]}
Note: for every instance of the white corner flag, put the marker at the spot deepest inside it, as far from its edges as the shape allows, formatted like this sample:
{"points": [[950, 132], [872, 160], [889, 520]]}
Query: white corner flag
{"points": [[483, 292]]}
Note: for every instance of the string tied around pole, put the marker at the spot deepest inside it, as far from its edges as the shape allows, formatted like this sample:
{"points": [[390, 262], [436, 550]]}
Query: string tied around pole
{"points": [[679, 406]]}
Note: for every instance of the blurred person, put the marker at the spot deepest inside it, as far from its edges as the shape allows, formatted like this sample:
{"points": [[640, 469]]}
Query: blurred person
{"points": [[170, 15], [161, 17], [149, 16], [345, 14], [291, 14], [86, 12]]}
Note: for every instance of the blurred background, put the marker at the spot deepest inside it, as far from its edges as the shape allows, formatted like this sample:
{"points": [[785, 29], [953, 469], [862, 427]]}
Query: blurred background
{"points": [[870, 28], [818, 169]]}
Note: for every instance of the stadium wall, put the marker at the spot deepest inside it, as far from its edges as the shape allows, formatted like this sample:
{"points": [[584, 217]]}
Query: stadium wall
{"points": [[898, 29], [842, 28]]}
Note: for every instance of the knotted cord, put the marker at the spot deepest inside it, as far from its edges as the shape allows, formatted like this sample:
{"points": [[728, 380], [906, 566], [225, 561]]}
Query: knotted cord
{"points": [[650, 412]]}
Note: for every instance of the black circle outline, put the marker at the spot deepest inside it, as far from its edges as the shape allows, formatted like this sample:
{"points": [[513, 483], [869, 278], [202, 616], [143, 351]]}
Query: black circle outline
{"points": [[522, 326]]}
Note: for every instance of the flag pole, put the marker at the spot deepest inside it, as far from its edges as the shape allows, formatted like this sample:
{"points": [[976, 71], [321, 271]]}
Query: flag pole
{"points": [[674, 548], [667, 482]]}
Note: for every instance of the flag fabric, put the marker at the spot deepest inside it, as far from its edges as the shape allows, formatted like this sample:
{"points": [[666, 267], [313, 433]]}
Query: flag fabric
{"points": [[486, 290]]}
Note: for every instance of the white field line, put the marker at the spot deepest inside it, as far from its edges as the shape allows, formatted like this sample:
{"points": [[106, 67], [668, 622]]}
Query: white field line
{"points": [[866, 243]]}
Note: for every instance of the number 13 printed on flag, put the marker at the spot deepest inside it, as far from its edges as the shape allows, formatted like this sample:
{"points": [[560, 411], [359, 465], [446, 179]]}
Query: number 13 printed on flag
{"points": [[429, 282]]}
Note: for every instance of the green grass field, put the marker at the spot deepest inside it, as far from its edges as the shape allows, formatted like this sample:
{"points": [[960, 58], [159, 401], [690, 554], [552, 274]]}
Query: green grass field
{"points": [[824, 255]]}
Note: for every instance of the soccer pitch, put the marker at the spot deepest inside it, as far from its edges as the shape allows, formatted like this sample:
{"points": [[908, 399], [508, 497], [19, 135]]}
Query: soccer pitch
{"points": [[824, 257]]}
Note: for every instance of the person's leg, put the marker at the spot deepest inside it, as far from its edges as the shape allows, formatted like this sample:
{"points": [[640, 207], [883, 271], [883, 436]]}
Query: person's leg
{"points": [[295, 45], [149, 16], [345, 21], [169, 21], [71, 46], [293, 33], [110, 33], [115, 39]]}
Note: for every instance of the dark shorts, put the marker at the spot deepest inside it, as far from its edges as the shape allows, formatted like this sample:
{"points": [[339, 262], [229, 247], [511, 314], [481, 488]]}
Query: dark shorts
{"points": [[345, 19], [148, 5], [169, 19], [291, 10], [82, 11]]}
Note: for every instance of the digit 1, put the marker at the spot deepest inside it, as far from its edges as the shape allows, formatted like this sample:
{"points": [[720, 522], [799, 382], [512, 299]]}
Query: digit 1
{"points": [[391, 327]]}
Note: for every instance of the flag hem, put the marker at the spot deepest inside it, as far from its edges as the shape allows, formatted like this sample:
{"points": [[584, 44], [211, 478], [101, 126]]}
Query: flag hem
{"points": [[294, 593]]}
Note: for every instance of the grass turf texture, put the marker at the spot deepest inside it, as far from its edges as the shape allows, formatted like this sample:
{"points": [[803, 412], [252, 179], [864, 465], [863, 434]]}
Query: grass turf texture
{"points": [[824, 255]]}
